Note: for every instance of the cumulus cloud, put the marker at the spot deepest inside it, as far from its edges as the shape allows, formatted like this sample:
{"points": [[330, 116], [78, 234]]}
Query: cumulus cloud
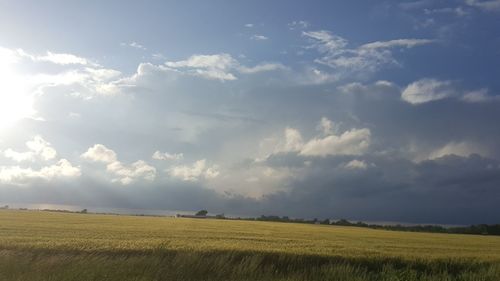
{"points": [[100, 153], [38, 148], [351, 142], [17, 175], [356, 164], [167, 156], [327, 126], [293, 140], [125, 174], [129, 173], [19, 156], [198, 170], [463, 149], [367, 57]]}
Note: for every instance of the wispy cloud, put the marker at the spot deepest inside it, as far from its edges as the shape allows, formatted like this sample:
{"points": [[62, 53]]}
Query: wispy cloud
{"points": [[301, 24], [259, 37], [221, 67], [365, 58], [488, 5], [133, 44]]}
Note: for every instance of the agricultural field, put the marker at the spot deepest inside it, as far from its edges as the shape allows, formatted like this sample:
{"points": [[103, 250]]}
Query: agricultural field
{"points": [[66, 246]]}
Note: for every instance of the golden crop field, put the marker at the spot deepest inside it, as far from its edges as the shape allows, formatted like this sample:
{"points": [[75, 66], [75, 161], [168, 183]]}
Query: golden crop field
{"points": [[66, 246]]}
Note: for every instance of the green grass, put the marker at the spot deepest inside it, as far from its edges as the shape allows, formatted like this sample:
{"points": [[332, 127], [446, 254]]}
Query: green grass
{"points": [[63, 246]]}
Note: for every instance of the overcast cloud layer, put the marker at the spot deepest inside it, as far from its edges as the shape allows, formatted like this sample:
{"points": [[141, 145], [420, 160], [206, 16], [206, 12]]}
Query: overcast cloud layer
{"points": [[381, 111]]}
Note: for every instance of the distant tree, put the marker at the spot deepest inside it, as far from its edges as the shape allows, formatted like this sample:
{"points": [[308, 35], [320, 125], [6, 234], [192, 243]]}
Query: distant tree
{"points": [[343, 222], [202, 213], [84, 211], [361, 224]]}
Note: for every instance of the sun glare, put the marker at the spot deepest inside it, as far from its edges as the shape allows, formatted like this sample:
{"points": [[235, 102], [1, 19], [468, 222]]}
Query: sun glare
{"points": [[15, 102]]}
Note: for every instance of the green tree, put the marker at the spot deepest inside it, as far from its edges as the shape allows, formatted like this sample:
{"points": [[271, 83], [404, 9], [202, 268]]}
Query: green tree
{"points": [[202, 213]]}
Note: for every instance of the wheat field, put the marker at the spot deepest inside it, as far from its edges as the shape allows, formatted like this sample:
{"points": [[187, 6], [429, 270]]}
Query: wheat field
{"points": [[37, 245]]}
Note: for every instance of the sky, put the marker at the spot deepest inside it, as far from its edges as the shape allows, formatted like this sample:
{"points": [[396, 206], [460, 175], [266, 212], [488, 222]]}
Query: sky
{"points": [[364, 110]]}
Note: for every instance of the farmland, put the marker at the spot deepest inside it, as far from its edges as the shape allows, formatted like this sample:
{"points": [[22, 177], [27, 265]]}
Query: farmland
{"points": [[65, 246]]}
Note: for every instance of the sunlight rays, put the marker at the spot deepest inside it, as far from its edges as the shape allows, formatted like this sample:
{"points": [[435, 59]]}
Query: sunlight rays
{"points": [[15, 102]]}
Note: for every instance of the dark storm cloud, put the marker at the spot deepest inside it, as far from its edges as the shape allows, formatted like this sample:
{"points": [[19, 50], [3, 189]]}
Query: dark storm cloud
{"points": [[451, 189]]}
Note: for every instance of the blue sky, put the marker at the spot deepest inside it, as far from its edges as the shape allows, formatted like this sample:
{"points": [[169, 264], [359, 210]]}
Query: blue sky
{"points": [[370, 110]]}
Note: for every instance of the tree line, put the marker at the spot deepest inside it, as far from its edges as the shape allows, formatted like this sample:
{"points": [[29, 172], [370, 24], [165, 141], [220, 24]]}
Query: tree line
{"points": [[478, 229]]}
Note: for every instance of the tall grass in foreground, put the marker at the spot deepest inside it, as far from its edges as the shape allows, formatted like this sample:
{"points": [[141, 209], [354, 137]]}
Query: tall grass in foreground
{"points": [[43, 246], [219, 265]]}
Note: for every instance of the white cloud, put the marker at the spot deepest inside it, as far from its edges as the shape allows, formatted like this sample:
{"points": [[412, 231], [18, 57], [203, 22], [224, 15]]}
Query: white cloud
{"points": [[100, 153], [327, 126], [298, 24], [463, 149], [17, 175], [325, 41], [42, 147], [262, 67], [208, 66], [196, 171], [19, 156], [379, 90], [356, 165], [55, 58], [426, 90], [293, 140], [314, 76], [259, 37], [365, 58], [134, 44], [129, 173], [219, 67], [167, 156], [90, 76], [63, 59], [488, 5], [352, 142], [406, 43], [125, 174], [249, 25], [38, 147], [479, 96]]}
